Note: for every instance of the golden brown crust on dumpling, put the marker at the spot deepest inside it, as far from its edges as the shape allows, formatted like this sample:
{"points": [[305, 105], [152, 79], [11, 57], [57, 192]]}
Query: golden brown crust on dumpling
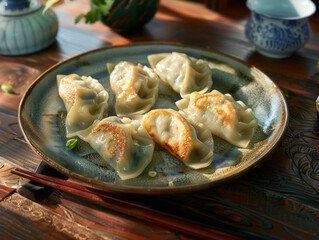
{"points": [[122, 143], [127, 89], [180, 146], [135, 88], [217, 103], [68, 88], [117, 142], [222, 115]]}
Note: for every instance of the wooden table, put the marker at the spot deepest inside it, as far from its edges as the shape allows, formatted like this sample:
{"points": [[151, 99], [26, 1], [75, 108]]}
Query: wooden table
{"points": [[277, 200]]}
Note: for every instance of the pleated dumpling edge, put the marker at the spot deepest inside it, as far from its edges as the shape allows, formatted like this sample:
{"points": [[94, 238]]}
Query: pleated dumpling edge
{"points": [[222, 115], [85, 100]]}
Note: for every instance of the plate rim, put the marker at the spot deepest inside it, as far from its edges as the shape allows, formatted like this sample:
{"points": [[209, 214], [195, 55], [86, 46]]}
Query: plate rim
{"points": [[111, 187]]}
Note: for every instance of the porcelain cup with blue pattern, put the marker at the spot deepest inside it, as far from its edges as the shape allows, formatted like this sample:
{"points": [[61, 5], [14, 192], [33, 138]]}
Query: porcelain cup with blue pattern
{"points": [[278, 28]]}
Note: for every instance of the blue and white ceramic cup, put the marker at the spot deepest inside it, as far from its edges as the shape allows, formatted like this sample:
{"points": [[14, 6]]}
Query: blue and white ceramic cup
{"points": [[279, 28]]}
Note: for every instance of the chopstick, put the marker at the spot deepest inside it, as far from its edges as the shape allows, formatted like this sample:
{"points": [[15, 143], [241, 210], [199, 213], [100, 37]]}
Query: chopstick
{"points": [[122, 205]]}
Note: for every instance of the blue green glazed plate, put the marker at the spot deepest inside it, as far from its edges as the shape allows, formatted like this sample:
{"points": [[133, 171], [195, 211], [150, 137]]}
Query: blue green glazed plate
{"points": [[42, 114]]}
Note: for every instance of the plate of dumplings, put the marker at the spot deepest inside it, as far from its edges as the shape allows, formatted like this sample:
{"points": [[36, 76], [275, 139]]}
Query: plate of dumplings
{"points": [[153, 118]]}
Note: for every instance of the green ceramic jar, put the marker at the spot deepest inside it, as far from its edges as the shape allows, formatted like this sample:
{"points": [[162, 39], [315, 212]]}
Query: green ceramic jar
{"points": [[130, 15]]}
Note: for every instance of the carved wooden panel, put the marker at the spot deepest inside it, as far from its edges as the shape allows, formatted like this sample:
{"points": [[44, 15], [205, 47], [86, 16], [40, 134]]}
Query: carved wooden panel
{"points": [[43, 224], [6, 178]]}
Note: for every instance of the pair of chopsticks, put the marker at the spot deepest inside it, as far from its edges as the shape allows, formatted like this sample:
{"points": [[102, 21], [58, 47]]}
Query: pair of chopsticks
{"points": [[122, 205]]}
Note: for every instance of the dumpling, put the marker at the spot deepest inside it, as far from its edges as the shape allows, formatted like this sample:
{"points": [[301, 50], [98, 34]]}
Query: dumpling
{"points": [[85, 100], [184, 74], [123, 143], [222, 115], [169, 129], [135, 87]]}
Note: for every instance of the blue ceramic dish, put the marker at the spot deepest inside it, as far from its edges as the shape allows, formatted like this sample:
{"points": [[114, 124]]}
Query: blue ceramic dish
{"points": [[40, 109]]}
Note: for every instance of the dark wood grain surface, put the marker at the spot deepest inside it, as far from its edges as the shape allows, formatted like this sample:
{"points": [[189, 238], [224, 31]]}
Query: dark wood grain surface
{"points": [[277, 200]]}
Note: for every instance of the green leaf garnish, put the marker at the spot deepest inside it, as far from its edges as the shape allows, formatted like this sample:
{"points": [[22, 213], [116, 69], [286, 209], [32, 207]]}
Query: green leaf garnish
{"points": [[78, 18], [285, 92], [71, 143], [98, 8], [105, 8], [7, 88]]}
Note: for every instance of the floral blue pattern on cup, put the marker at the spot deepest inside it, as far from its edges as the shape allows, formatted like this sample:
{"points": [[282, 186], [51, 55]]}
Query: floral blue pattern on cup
{"points": [[277, 36]]}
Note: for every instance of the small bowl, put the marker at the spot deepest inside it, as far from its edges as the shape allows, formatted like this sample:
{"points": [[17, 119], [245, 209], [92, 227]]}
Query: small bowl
{"points": [[279, 28], [129, 16]]}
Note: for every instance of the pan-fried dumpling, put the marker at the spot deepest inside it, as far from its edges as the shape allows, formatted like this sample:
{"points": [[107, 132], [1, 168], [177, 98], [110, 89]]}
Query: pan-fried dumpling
{"points": [[169, 129], [184, 74], [85, 100], [123, 143], [135, 87], [222, 115]]}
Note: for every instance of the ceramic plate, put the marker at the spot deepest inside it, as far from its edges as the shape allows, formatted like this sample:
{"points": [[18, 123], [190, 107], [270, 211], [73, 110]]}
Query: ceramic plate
{"points": [[42, 112]]}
